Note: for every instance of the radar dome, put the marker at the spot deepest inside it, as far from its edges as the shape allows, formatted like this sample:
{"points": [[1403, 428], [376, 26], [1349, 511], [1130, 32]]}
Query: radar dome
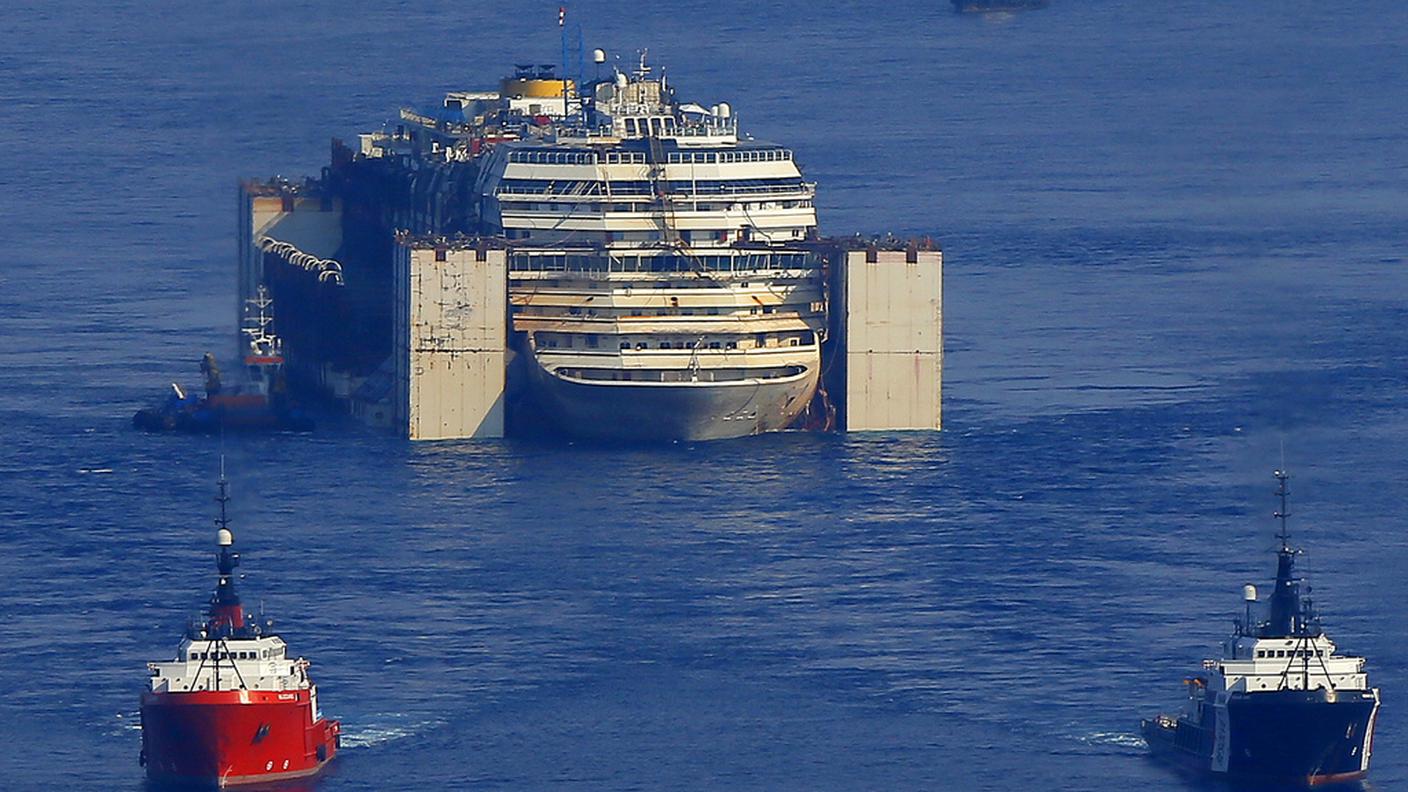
{"points": [[1249, 593], [224, 538], [724, 110], [598, 56]]}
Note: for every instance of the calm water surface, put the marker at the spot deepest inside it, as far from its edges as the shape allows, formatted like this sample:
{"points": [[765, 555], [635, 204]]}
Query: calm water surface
{"points": [[1175, 239]]}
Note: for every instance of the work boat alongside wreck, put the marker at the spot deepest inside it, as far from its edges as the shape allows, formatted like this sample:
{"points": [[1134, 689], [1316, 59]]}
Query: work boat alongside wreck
{"points": [[1279, 705]]}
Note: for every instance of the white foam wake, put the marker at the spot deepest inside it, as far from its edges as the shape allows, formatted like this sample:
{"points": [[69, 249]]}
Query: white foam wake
{"points": [[364, 735]]}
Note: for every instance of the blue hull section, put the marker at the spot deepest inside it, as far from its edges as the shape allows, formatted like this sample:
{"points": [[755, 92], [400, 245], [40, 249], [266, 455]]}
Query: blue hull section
{"points": [[1290, 737], [1299, 735]]}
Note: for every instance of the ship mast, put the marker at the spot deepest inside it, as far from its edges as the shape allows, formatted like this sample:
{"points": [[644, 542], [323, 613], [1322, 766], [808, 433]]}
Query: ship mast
{"points": [[226, 612], [1287, 615]]}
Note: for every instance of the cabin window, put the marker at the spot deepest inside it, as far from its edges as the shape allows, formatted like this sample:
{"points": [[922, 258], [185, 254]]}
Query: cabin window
{"points": [[1261, 653]]}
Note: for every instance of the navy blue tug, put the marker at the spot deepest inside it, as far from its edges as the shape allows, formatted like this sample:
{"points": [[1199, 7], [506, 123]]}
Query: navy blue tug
{"points": [[1279, 705]]}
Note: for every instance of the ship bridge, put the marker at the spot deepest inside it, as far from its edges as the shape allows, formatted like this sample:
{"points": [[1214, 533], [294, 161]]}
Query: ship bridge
{"points": [[230, 664]]}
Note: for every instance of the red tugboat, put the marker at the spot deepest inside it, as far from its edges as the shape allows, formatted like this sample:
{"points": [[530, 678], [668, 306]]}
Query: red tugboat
{"points": [[233, 708]]}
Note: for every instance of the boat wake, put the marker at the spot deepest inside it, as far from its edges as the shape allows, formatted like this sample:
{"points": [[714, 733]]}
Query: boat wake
{"points": [[383, 729], [1126, 740], [124, 723]]}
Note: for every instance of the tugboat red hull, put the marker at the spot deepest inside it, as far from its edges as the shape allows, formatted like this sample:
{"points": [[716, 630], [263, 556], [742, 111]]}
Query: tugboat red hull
{"points": [[232, 737]]}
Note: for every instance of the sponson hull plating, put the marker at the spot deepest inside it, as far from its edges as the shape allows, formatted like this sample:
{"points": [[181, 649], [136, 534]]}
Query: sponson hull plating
{"points": [[1279, 704], [232, 708]]}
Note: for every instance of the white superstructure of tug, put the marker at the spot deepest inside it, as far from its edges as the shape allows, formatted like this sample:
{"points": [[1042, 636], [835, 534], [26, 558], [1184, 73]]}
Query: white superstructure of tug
{"points": [[1309, 663], [230, 664]]}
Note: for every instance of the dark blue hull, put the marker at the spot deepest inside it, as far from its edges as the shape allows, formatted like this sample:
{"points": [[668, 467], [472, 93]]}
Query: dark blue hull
{"points": [[204, 420], [1291, 737]]}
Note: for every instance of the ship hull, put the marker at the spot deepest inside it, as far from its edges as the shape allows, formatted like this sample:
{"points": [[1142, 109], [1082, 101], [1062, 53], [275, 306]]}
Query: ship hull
{"points": [[229, 738], [217, 413], [676, 411], [1287, 737]]}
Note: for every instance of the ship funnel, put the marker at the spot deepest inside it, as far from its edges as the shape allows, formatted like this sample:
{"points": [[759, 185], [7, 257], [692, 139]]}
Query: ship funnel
{"points": [[1249, 593], [224, 538]]}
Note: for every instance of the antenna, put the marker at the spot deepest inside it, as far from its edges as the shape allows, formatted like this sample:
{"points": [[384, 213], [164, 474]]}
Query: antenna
{"points": [[1249, 597], [223, 521], [1282, 513]]}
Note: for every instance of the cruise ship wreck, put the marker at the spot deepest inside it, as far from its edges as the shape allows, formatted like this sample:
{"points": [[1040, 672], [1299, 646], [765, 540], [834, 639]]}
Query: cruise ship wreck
{"points": [[599, 259]]}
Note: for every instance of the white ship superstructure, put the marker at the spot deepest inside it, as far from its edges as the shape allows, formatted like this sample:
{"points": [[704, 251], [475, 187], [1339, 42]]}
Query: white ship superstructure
{"points": [[656, 274]]}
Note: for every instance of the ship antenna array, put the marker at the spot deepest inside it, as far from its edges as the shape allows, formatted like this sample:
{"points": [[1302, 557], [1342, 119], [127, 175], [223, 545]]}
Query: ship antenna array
{"points": [[223, 521], [571, 58], [1282, 513]]}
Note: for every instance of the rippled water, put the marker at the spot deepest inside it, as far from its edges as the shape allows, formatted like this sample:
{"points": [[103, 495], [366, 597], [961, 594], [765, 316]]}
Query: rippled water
{"points": [[1175, 242]]}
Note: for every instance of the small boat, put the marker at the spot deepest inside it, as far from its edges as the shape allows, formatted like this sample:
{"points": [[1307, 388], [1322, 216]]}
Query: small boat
{"points": [[232, 708], [996, 6], [1280, 705], [258, 400]]}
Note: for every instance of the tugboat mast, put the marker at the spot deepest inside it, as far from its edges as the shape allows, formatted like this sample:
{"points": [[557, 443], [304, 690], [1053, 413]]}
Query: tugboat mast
{"points": [[1286, 617], [226, 612], [1282, 513]]}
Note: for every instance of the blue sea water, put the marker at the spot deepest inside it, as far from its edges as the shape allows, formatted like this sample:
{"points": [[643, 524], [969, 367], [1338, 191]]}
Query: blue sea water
{"points": [[1175, 242]]}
